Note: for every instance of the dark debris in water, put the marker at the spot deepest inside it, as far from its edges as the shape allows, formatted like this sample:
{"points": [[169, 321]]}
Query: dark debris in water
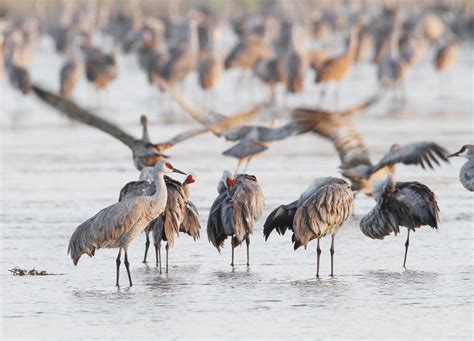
{"points": [[16, 271]]}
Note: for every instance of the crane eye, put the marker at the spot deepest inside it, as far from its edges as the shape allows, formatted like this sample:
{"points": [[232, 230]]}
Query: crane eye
{"points": [[169, 165]]}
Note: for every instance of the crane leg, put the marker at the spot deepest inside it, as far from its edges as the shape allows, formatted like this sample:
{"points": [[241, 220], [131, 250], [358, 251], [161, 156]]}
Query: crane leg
{"points": [[117, 261], [332, 254], [127, 266], [247, 241], [167, 247], [247, 164], [147, 245], [318, 252], [158, 254], [239, 163], [232, 264], [406, 248]]}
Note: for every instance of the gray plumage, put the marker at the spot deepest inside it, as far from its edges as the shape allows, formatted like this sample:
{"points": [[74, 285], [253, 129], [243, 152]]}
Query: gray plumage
{"points": [[180, 215], [145, 153], [466, 174], [320, 210], [425, 154], [256, 139], [118, 225], [408, 204], [234, 212], [355, 160], [137, 188]]}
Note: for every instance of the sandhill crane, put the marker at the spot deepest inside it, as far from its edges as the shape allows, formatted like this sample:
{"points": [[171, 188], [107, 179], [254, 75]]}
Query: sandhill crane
{"points": [[234, 212], [356, 164], [145, 153], [335, 69], [466, 174], [253, 140], [211, 64], [296, 60], [392, 69], [248, 52], [447, 56], [116, 226], [182, 59], [18, 76], [409, 204], [271, 72], [69, 75], [101, 68], [320, 210], [180, 215]]}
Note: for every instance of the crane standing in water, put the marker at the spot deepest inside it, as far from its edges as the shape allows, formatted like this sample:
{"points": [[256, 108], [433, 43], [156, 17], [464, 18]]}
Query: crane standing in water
{"points": [[235, 210], [319, 211], [180, 215], [409, 204], [118, 225]]}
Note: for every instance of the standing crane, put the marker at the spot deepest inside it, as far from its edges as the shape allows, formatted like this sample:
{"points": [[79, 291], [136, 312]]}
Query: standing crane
{"points": [[319, 211], [409, 204], [234, 212], [211, 64], [466, 174], [336, 68], [101, 68], [116, 226], [180, 215]]}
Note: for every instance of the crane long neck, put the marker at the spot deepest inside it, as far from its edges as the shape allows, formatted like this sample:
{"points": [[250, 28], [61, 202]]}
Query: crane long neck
{"points": [[160, 186], [145, 134], [187, 190]]}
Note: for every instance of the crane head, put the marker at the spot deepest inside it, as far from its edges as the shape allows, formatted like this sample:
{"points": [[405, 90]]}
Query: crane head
{"points": [[190, 178]]}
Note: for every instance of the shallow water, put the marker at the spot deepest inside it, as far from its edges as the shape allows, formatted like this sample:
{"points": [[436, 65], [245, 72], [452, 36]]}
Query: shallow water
{"points": [[56, 174]]}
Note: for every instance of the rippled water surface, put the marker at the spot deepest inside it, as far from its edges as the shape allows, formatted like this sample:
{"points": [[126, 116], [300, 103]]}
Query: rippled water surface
{"points": [[56, 174]]}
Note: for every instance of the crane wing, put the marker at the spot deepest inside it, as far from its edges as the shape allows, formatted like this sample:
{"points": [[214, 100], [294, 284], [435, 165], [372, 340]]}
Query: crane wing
{"points": [[215, 226], [245, 148], [191, 223], [268, 134], [343, 134], [76, 113], [133, 189], [419, 153], [362, 106], [216, 127]]}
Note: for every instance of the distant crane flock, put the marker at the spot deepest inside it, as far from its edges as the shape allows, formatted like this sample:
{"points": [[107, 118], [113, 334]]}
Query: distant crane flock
{"points": [[276, 49]]}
